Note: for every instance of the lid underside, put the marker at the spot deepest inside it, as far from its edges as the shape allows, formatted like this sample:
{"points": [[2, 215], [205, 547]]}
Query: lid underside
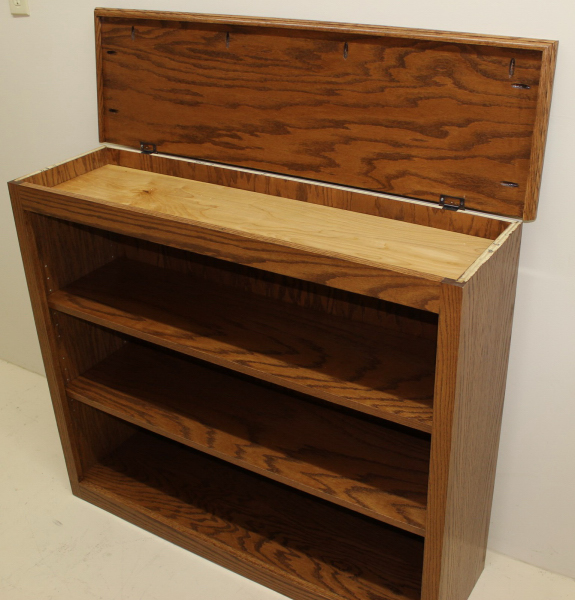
{"points": [[420, 116]]}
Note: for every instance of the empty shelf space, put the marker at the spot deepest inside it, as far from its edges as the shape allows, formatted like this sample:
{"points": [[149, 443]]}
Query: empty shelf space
{"points": [[321, 229], [364, 367], [234, 516], [374, 469]]}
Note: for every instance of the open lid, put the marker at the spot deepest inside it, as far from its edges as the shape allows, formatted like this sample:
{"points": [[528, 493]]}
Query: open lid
{"points": [[415, 113]]}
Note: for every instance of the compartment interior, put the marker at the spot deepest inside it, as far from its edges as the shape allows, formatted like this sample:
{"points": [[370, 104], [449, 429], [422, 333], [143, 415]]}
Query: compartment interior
{"points": [[366, 354], [363, 463], [236, 514], [359, 227]]}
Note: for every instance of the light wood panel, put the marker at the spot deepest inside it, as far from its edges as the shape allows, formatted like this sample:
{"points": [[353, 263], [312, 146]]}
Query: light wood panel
{"points": [[291, 542], [308, 191], [376, 470], [356, 365], [263, 183], [379, 241]]}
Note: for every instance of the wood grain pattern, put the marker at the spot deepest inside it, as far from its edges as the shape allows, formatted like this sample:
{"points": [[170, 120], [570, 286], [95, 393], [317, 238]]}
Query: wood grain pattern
{"points": [[99, 74], [378, 241], [409, 112], [293, 188], [272, 532], [59, 239], [38, 242], [81, 345], [344, 362], [35, 279], [97, 434], [397, 114], [416, 291], [69, 169], [328, 26], [309, 191], [69, 251], [372, 469], [339, 303], [540, 131], [473, 350]]}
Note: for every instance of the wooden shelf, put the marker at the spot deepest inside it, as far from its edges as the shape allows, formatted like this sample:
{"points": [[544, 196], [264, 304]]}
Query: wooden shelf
{"points": [[376, 470], [364, 367], [325, 230], [262, 529]]}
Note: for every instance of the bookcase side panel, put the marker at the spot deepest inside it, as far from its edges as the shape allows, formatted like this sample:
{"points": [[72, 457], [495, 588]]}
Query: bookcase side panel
{"points": [[46, 334], [475, 332], [54, 252]]}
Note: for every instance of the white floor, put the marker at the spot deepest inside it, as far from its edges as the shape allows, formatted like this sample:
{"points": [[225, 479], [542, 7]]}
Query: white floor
{"points": [[55, 546]]}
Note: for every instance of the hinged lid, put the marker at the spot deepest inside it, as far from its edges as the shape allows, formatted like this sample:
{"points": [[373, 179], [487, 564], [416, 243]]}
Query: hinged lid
{"points": [[416, 113]]}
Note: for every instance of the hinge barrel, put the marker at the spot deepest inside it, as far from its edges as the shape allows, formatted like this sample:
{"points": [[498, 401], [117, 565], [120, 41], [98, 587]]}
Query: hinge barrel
{"points": [[447, 202], [147, 148]]}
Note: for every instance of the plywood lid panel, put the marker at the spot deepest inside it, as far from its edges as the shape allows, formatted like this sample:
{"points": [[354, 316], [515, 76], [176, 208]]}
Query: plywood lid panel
{"points": [[407, 112]]}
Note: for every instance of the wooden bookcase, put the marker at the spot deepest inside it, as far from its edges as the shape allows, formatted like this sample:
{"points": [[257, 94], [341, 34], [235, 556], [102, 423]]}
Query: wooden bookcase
{"points": [[299, 381]]}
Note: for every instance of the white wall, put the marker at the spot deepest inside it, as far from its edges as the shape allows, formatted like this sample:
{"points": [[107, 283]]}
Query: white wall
{"points": [[48, 114]]}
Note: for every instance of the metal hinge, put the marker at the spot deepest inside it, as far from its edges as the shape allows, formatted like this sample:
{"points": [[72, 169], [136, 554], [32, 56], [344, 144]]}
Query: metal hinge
{"points": [[147, 148], [447, 203]]}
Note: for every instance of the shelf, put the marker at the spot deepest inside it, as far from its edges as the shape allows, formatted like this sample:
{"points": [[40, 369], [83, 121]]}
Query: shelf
{"points": [[356, 237], [376, 470], [235, 517], [364, 367]]}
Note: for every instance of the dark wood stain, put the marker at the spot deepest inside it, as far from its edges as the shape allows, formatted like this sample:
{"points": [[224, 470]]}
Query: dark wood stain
{"points": [[368, 467], [331, 553], [347, 363], [417, 118]]}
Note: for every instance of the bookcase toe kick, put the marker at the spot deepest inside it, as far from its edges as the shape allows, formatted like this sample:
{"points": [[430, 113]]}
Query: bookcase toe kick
{"points": [[314, 407]]}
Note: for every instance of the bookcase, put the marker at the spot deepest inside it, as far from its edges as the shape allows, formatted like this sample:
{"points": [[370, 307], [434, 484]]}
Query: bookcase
{"points": [[301, 382]]}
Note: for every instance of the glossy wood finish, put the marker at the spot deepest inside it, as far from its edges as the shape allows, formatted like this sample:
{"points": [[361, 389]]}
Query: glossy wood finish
{"points": [[40, 244], [359, 366], [372, 30], [322, 229], [540, 131], [367, 467], [260, 528], [473, 351], [380, 110], [74, 167]]}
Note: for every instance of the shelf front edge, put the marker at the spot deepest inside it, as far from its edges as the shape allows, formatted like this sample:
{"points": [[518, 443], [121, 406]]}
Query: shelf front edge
{"points": [[416, 291], [80, 395]]}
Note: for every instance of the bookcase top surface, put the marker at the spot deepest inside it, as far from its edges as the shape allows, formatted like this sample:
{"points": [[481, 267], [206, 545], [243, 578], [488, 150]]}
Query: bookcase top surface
{"points": [[420, 114], [365, 239]]}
